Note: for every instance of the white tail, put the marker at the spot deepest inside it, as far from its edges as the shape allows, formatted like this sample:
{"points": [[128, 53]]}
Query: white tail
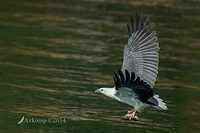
{"points": [[161, 104]]}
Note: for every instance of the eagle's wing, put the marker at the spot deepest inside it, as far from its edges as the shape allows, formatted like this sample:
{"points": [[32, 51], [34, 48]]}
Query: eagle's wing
{"points": [[133, 91], [141, 52], [136, 86]]}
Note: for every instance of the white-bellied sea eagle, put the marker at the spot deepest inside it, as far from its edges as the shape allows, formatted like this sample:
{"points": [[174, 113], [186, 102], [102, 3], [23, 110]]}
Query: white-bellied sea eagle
{"points": [[138, 74]]}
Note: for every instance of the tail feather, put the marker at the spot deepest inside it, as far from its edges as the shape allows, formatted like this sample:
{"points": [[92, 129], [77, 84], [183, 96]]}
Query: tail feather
{"points": [[161, 105]]}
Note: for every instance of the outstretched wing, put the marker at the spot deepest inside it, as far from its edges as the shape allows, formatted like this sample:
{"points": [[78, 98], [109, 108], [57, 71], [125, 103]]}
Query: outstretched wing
{"points": [[141, 52]]}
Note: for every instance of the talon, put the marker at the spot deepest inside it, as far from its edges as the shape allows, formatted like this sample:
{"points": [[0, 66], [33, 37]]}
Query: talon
{"points": [[129, 112], [132, 116], [132, 110]]}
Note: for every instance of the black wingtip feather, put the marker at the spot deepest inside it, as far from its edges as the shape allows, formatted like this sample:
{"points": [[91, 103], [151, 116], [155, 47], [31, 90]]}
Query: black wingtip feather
{"points": [[121, 75], [137, 80], [141, 21], [147, 21], [129, 32], [141, 24], [132, 77], [151, 27], [116, 79], [132, 23], [127, 76], [136, 21]]}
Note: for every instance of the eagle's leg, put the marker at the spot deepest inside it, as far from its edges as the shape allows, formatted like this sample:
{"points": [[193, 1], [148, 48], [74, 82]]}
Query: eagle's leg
{"points": [[133, 115], [132, 110]]}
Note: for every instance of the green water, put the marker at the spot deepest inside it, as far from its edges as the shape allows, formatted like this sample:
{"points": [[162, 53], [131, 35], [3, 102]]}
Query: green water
{"points": [[54, 54]]}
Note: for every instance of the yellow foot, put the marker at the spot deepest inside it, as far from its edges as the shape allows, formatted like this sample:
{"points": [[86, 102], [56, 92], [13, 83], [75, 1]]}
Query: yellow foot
{"points": [[129, 112], [132, 110], [132, 116]]}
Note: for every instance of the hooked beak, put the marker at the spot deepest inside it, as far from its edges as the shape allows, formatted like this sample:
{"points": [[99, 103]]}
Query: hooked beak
{"points": [[97, 91]]}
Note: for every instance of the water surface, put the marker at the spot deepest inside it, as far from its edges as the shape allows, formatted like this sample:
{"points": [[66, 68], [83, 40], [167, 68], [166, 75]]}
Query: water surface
{"points": [[54, 54]]}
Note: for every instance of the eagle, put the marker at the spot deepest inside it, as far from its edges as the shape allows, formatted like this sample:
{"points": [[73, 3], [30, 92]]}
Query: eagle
{"points": [[135, 80]]}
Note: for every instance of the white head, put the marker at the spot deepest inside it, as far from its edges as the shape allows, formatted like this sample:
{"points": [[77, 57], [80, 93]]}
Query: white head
{"points": [[107, 91]]}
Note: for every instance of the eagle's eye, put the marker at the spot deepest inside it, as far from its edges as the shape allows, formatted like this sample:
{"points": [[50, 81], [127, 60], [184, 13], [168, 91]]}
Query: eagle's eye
{"points": [[101, 89]]}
